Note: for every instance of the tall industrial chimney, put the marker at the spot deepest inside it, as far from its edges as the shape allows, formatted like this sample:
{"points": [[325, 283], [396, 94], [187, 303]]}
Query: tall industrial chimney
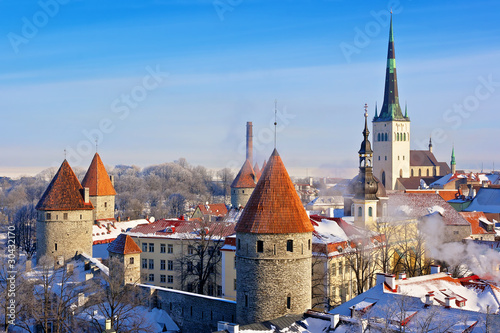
{"points": [[249, 142]]}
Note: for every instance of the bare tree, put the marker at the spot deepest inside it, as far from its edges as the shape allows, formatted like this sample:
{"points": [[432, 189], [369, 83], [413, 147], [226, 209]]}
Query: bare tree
{"points": [[361, 258], [25, 234], [320, 282], [118, 302], [200, 260]]}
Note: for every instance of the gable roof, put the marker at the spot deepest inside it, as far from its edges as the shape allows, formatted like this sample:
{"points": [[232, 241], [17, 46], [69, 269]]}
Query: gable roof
{"points": [[487, 200], [475, 219], [64, 192], [97, 179], [124, 244], [246, 177], [426, 158], [219, 209], [417, 205], [274, 207]]}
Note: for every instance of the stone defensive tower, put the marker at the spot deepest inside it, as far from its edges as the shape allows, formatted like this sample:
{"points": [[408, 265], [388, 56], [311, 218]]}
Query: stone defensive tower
{"points": [[65, 217], [391, 129], [273, 250], [244, 183], [101, 189], [128, 254]]}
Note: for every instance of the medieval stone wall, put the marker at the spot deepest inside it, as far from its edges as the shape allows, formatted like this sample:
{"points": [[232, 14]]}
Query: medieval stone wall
{"points": [[104, 206], [274, 282], [240, 196], [64, 233]]}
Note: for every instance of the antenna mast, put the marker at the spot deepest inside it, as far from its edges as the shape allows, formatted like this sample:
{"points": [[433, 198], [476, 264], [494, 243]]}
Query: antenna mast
{"points": [[275, 120]]}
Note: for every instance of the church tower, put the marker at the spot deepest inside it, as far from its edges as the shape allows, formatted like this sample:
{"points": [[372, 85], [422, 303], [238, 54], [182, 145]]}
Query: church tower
{"points": [[273, 250], [101, 189], [391, 129], [64, 223], [365, 199]]}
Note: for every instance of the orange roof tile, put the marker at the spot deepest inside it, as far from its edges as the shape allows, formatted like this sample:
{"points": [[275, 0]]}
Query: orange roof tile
{"points": [[475, 223], [245, 178], [219, 209], [124, 244], [274, 206], [97, 179], [64, 192]]}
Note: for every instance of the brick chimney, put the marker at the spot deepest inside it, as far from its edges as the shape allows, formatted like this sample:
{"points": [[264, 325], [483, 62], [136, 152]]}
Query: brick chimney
{"points": [[86, 195], [435, 269], [250, 142], [429, 298], [402, 276], [390, 281]]}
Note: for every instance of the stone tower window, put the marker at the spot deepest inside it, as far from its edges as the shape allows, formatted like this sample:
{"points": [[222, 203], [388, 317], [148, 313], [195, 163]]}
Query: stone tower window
{"points": [[131, 261], [55, 246], [288, 302], [246, 300], [239, 244], [309, 244], [260, 246], [48, 216], [81, 216], [105, 204], [65, 216], [289, 245]]}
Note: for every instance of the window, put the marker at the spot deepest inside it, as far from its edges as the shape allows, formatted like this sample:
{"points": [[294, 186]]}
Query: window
{"points": [[383, 175], [234, 261], [400, 173], [378, 137], [219, 291], [412, 172], [289, 245], [81, 216], [190, 249], [427, 172], [334, 270], [246, 300], [379, 158], [151, 264], [288, 302], [260, 246], [162, 265], [131, 261], [55, 246], [340, 268], [151, 277], [48, 216], [162, 248], [454, 232], [308, 244], [370, 211], [190, 266], [151, 247], [360, 211], [170, 248], [163, 278], [170, 266], [419, 172], [234, 284], [57, 217], [210, 290], [145, 263], [386, 158], [144, 247], [65, 216], [170, 279], [239, 244], [385, 137]]}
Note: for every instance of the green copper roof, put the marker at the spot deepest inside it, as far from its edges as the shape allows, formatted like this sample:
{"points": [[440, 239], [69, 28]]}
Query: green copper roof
{"points": [[453, 156], [391, 110]]}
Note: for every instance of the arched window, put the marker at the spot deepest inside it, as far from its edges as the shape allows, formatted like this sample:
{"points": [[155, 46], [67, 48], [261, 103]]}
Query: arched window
{"points": [[378, 137], [412, 172], [385, 136], [427, 172], [397, 136], [420, 172], [383, 178], [404, 136], [360, 212], [370, 211]]}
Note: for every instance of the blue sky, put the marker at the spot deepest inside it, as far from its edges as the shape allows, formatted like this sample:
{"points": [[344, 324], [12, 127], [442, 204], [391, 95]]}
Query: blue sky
{"points": [[196, 71]]}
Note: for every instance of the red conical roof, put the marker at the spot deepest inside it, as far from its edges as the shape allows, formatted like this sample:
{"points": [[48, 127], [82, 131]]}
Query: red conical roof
{"points": [[124, 244], [64, 192], [246, 177], [274, 207], [97, 179]]}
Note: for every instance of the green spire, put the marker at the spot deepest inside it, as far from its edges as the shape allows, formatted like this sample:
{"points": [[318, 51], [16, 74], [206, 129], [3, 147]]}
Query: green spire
{"points": [[376, 114], [391, 110], [406, 110], [453, 156]]}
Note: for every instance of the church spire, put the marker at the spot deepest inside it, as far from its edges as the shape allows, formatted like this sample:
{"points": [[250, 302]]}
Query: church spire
{"points": [[453, 162], [391, 110]]}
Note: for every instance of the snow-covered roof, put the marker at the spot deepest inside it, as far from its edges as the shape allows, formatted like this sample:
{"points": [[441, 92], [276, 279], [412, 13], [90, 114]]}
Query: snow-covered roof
{"points": [[487, 200], [107, 231]]}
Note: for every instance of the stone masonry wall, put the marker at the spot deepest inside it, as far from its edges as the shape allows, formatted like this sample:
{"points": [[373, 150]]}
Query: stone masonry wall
{"points": [[104, 206], [73, 234], [192, 312], [265, 280], [240, 196]]}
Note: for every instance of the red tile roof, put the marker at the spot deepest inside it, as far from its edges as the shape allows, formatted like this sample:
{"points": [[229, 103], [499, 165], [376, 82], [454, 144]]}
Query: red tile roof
{"points": [[219, 209], [181, 229], [475, 223], [274, 206], [97, 179], [64, 192], [246, 177], [124, 244], [447, 195]]}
